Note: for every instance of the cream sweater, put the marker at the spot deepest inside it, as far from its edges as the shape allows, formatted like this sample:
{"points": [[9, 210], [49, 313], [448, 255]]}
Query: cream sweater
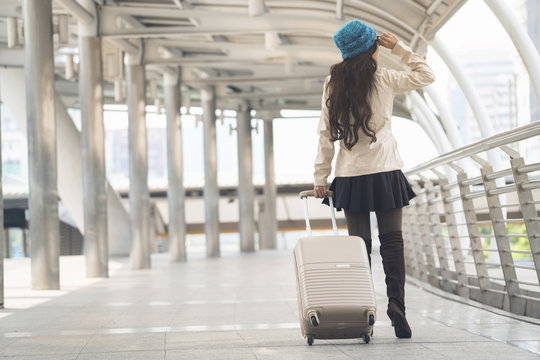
{"points": [[365, 158]]}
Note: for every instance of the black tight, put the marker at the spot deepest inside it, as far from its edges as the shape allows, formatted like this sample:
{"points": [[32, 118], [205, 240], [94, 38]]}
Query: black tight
{"points": [[388, 221]]}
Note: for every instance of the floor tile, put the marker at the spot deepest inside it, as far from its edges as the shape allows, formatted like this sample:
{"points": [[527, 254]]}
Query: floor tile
{"points": [[240, 306], [533, 346], [125, 342], [45, 345], [124, 355], [480, 351]]}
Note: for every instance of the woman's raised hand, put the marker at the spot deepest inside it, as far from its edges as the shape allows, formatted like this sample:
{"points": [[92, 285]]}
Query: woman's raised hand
{"points": [[388, 40]]}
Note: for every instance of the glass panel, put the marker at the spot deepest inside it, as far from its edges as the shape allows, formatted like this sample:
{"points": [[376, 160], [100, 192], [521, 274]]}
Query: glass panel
{"points": [[15, 243]]}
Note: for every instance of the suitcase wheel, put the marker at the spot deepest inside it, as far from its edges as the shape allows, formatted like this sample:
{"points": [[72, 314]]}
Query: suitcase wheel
{"points": [[310, 340], [371, 319], [367, 338], [314, 318]]}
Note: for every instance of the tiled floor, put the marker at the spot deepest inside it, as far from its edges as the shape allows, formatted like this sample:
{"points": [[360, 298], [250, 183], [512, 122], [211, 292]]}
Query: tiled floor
{"points": [[240, 306]]}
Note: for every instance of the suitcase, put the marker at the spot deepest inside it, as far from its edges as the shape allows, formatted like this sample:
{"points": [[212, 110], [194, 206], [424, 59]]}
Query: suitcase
{"points": [[336, 298]]}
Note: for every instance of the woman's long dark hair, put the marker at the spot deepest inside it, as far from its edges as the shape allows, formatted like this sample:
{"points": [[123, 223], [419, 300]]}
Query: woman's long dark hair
{"points": [[350, 86]]}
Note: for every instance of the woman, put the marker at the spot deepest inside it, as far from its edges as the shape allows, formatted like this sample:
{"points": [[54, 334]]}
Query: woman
{"points": [[357, 111]]}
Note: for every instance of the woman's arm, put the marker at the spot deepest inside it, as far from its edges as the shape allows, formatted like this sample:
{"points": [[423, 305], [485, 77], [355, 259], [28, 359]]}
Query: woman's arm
{"points": [[420, 74], [325, 149]]}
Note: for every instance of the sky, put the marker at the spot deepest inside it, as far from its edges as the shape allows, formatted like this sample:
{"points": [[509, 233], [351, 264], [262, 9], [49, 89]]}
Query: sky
{"points": [[480, 33]]}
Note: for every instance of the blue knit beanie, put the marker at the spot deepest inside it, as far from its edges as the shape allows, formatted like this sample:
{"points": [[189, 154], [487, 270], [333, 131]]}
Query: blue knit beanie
{"points": [[354, 38]]}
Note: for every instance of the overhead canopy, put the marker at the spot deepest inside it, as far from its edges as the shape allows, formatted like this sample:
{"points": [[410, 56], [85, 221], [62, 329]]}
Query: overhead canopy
{"points": [[273, 53]]}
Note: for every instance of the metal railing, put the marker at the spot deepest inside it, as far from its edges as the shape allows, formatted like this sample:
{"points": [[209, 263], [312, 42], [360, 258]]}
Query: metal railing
{"points": [[475, 232]]}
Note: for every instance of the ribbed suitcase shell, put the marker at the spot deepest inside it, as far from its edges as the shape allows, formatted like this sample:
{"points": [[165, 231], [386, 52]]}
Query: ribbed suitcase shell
{"points": [[334, 279]]}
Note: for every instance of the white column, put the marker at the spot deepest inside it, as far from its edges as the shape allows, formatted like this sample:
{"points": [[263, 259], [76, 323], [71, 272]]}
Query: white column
{"points": [[246, 191], [211, 189], [96, 249], [139, 196], [175, 188], [42, 156], [269, 240]]}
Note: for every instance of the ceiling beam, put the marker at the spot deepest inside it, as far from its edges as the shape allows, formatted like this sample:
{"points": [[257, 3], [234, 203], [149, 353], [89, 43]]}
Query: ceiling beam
{"points": [[278, 94], [11, 57], [182, 4], [252, 80], [77, 11], [256, 7], [212, 23], [243, 52], [339, 10]]}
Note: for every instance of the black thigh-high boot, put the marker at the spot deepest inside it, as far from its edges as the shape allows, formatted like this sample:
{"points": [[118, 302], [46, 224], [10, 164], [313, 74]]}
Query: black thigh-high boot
{"points": [[358, 225], [394, 269]]}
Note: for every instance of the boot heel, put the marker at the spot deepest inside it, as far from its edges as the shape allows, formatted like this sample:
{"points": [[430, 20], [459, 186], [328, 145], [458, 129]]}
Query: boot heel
{"points": [[399, 322]]}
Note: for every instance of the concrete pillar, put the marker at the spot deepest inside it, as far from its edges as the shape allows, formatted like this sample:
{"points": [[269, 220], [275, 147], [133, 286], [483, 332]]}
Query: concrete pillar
{"points": [[269, 240], [43, 193], [70, 180], [175, 190], [2, 233], [246, 191], [96, 249], [139, 195], [211, 189]]}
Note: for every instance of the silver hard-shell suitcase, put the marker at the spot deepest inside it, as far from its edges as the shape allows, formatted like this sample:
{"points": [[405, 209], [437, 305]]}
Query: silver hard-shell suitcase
{"points": [[336, 299]]}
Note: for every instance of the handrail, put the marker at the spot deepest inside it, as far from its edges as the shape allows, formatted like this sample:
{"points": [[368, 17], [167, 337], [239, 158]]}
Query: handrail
{"points": [[488, 143], [440, 233]]}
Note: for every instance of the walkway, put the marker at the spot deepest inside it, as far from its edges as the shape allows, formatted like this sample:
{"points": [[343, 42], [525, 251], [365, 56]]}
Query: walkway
{"points": [[234, 307]]}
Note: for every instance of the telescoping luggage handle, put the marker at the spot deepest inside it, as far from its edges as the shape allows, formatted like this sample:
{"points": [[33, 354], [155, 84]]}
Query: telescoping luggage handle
{"points": [[329, 194]]}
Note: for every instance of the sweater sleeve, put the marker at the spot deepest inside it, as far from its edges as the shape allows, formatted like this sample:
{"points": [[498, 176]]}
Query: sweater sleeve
{"points": [[325, 149], [419, 76]]}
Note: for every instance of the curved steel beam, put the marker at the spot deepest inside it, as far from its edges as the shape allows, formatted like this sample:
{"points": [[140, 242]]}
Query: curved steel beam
{"points": [[471, 95], [449, 124], [431, 121], [521, 40], [421, 120], [464, 81]]}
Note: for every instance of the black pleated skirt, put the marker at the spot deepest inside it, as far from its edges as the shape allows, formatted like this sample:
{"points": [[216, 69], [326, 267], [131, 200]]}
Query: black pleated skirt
{"points": [[371, 192]]}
